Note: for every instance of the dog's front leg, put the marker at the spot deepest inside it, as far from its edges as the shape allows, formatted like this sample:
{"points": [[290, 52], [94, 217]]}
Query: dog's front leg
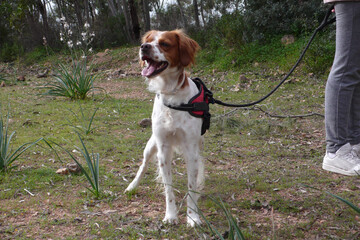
{"points": [[149, 153], [164, 161]]}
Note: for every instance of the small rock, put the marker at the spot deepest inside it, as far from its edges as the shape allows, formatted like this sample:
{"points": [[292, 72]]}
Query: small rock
{"points": [[28, 122], [146, 122], [243, 79], [236, 88], [2, 84], [21, 78], [43, 74], [78, 219], [62, 171], [100, 54], [73, 168], [287, 39]]}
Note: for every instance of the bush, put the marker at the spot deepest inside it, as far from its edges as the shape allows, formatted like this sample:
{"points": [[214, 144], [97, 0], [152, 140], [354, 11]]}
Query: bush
{"points": [[38, 54], [320, 55], [10, 52]]}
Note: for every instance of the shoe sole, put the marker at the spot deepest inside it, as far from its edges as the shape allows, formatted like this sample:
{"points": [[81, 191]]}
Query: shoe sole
{"points": [[338, 170]]}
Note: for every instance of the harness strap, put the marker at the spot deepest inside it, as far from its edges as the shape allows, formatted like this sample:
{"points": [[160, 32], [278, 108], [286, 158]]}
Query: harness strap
{"points": [[198, 106]]}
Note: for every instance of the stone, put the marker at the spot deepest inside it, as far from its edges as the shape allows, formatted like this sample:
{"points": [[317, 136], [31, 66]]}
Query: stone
{"points": [[73, 168], [243, 79], [43, 74], [62, 171], [287, 39], [21, 78], [146, 122]]}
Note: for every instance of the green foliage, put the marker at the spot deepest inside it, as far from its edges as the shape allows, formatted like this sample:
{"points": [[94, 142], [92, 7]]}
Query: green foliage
{"points": [[234, 231], [85, 123], [108, 32], [347, 202], [76, 83], [10, 52], [93, 165], [36, 55], [92, 162], [7, 156], [273, 17], [321, 54], [2, 77]]}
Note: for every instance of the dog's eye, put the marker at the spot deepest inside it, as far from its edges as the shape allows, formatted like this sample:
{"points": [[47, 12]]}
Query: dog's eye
{"points": [[164, 44]]}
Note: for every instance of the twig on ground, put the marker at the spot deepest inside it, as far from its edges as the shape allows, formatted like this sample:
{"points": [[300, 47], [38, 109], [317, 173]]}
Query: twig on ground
{"points": [[29, 192], [270, 114]]}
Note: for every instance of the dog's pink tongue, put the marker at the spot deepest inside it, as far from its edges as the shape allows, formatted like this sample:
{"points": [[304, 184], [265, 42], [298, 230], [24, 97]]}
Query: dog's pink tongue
{"points": [[150, 69], [146, 72]]}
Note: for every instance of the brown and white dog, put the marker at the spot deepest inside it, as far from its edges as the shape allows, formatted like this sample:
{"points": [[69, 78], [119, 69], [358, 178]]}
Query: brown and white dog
{"points": [[165, 56]]}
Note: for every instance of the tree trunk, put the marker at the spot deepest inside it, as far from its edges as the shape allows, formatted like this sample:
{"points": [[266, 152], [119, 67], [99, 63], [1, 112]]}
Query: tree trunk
{"points": [[78, 14], [112, 8], [202, 11], [146, 13], [42, 9], [183, 20], [87, 12], [127, 20], [196, 14], [134, 20]]}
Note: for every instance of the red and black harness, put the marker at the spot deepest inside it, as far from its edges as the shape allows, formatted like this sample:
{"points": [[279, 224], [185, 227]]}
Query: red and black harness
{"points": [[198, 105]]}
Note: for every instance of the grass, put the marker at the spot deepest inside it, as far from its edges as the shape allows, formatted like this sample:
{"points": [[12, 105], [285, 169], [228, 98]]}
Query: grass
{"points": [[254, 163]]}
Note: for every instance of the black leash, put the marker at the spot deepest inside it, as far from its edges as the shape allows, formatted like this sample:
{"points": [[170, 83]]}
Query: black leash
{"points": [[324, 23], [198, 106]]}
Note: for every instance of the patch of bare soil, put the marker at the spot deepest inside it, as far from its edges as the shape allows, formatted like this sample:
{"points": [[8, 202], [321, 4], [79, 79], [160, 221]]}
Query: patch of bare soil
{"points": [[124, 90]]}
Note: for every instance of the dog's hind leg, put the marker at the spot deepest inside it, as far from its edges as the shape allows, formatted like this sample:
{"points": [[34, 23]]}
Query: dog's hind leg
{"points": [[149, 153], [195, 172]]}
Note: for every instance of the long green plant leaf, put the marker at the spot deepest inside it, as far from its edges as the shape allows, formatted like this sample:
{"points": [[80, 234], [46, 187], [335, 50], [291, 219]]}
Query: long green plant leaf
{"points": [[7, 157], [93, 165]]}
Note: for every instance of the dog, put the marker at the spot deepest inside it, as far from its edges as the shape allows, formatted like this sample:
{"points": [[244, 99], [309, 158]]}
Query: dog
{"points": [[164, 56]]}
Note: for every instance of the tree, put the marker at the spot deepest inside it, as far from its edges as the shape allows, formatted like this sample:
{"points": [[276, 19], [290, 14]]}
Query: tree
{"points": [[196, 14], [146, 14], [134, 20]]}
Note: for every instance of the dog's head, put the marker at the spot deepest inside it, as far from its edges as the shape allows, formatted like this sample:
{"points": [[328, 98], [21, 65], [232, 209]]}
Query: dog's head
{"points": [[166, 51]]}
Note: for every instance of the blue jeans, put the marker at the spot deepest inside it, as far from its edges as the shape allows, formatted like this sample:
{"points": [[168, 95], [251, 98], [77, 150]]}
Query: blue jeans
{"points": [[342, 93]]}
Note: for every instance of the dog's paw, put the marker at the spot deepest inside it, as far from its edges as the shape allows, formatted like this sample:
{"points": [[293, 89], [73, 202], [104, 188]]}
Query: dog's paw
{"points": [[172, 220], [129, 189], [193, 221]]}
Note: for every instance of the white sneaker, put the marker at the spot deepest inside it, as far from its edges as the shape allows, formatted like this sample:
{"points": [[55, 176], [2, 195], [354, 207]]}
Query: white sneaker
{"points": [[345, 161], [356, 150]]}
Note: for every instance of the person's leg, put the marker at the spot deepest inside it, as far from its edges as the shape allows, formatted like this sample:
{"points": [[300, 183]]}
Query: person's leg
{"points": [[342, 103]]}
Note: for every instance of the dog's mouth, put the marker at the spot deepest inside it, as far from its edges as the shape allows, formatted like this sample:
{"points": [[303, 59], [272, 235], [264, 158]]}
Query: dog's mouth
{"points": [[153, 68]]}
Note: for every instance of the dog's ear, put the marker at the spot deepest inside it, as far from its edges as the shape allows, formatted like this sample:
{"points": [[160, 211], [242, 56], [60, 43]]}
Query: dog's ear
{"points": [[187, 48]]}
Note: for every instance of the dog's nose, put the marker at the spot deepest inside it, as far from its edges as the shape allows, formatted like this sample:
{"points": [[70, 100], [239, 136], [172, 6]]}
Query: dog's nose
{"points": [[145, 47]]}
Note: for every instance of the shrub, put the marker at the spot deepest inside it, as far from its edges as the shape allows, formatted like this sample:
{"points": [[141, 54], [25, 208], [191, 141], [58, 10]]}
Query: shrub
{"points": [[10, 52], [75, 83], [78, 81]]}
